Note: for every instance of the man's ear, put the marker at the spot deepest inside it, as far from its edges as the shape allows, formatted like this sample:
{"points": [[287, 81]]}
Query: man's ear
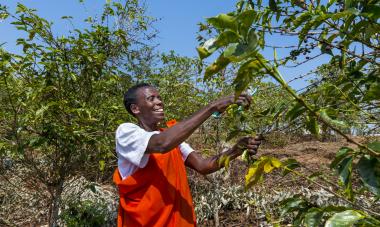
{"points": [[135, 109]]}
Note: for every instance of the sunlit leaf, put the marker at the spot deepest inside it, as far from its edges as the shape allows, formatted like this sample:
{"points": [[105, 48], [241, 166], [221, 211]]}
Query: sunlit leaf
{"points": [[345, 218], [220, 63], [245, 75], [275, 162], [223, 21], [255, 172], [268, 167]]}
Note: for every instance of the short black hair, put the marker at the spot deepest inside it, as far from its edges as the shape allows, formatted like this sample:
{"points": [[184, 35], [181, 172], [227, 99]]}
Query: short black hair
{"points": [[130, 97]]}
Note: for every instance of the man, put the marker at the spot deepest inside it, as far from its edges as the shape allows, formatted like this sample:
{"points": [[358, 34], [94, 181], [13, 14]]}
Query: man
{"points": [[151, 174]]}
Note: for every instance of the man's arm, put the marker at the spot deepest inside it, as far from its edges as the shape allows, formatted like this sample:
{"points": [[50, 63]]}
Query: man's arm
{"points": [[175, 135], [211, 164]]}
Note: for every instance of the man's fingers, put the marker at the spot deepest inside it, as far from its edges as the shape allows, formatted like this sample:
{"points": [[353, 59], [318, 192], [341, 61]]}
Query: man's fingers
{"points": [[244, 100], [252, 147], [255, 141], [252, 151]]}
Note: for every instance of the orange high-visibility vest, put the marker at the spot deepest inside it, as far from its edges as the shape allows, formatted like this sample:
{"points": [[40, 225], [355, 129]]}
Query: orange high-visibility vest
{"points": [[156, 195]]}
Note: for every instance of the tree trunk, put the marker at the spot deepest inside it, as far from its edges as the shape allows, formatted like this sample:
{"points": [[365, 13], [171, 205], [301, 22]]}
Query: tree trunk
{"points": [[55, 203]]}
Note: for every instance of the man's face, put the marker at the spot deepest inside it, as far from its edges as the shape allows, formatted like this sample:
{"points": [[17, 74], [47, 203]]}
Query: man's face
{"points": [[149, 106]]}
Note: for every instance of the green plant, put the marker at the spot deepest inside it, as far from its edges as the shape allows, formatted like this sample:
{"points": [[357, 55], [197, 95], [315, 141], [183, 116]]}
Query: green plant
{"points": [[349, 92], [84, 213]]}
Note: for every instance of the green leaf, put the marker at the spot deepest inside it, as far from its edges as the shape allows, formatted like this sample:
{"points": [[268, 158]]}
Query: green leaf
{"points": [[345, 218], [220, 63], [268, 167], [227, 37], [313, 217], [374, 146], [315, 175], [102, 165], [340, 155], [372, 12], [255, 172], [349, 4], [288, 165], [326, 49], [245, 20], [273, 5], [345, 175], [252, 39], [301, 19], [211, 45], [223, 21], [207, 48], [373, 92], [312, 125], [232, 134], [245, 75], [295, 203], [222, 159], [227, 162], [369, 171], [237, 52], [336, 123], [296, 111], [275, 162], [3, 15]]}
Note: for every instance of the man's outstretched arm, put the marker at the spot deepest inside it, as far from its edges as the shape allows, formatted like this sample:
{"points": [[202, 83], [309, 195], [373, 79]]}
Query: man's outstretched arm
{"points": [[211, 164], [172, 137]]}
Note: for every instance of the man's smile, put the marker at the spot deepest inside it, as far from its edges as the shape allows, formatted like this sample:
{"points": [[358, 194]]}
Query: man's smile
{"points": [[159, 110]]}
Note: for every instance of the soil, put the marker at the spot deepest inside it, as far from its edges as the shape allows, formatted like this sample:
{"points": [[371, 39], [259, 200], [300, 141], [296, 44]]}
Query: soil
{"points": [[313, 155]]}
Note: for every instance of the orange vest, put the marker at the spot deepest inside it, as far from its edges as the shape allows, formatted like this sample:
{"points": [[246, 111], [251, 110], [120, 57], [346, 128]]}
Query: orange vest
{"points": [[156, 195]]}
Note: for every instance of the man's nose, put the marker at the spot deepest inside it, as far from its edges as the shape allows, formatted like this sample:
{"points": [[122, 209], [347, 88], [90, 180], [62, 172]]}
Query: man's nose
{"points": [[158, 102]]}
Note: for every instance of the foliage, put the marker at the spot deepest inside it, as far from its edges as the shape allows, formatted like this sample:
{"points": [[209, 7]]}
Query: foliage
{"points": [[61, 97], [84, 213], [348, 93]]}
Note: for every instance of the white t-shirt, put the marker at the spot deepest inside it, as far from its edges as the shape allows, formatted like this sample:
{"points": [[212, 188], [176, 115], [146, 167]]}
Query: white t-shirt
{"points": [[131, 144]]}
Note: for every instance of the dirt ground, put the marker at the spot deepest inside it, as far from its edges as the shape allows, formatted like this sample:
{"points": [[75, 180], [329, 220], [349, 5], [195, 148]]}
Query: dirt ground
{"points": [[313, 155]]}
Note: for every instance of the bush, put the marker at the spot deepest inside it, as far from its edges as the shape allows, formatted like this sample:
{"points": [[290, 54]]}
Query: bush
{"points": [[84, 213]]}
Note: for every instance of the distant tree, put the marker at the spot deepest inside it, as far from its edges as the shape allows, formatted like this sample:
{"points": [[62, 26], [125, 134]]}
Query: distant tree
{"points": [[61, 99]]}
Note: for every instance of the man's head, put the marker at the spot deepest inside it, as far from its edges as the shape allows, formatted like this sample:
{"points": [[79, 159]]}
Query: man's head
{"points": [[144, 102]]}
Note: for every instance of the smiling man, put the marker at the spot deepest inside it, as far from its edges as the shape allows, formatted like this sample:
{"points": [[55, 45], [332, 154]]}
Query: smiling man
{"points": [[151, 175]]}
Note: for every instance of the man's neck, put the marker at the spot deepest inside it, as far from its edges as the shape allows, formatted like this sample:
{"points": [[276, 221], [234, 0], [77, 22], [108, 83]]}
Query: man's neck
{"points": [[148, 127]]}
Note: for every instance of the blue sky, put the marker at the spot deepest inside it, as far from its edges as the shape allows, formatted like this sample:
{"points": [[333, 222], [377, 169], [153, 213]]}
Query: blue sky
{"points": [[177, 25]]}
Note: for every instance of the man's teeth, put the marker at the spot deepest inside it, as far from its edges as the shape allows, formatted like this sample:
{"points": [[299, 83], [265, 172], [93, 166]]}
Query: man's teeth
{"points": [[159, 110]]}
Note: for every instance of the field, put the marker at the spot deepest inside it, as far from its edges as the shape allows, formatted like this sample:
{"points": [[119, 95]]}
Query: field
{"points": [[305, 67], [220, 198], [222, 201]]}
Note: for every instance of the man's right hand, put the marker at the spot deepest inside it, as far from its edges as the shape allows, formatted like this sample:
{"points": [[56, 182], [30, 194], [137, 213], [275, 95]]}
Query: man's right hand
{"points": [[251, 144], [221, 105]]}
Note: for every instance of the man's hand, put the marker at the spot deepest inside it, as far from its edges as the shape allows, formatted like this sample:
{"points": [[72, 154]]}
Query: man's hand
{"points": [[211, 164], [251, 144], [221, 105]]}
